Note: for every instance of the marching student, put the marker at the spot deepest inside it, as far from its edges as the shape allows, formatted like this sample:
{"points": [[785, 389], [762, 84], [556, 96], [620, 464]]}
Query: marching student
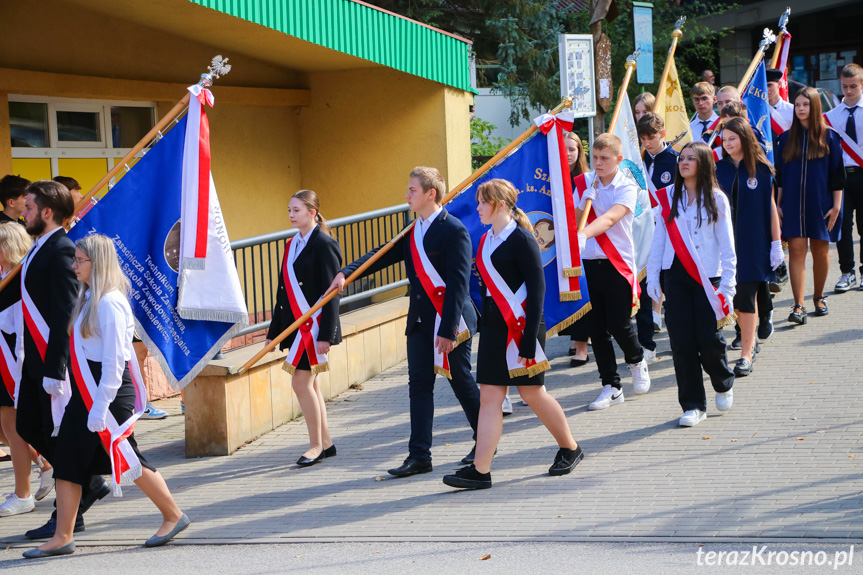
{"points": [[746, 177], [511, 347], [644, 103], [107, 397], [811, 176], [14, 243], [441, 317], [312, 258], [785, 109], [47, 290], [703, 97], [725, 95], [608, 256], [579, 332], [73, 186], [694, 245], [13, 192], [847, 120]]}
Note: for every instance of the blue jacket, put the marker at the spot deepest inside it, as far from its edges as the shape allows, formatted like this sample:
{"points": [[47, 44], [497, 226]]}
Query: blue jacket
{"points": [[664, 166]]}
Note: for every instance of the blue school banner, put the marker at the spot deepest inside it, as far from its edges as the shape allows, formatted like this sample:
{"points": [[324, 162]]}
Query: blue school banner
{"points": [[141, 214], [527, 169], [758, 107]]}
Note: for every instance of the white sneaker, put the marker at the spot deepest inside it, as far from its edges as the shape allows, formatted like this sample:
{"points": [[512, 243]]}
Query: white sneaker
{"points": [[724, 401], [692, 417], [650, 356], [14, 505], [507, 405], [640, 376], [607, 397], [657, 321], [46, 483], [524, 401]]}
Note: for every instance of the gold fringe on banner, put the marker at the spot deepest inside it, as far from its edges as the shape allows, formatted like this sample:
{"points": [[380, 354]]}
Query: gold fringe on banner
{"points": [[461, 338], [572, 272], [636, 305], [727, 320], [570, 295], [320, 368], [530, 371], [568, 321], [642, 275], [442, 372]]}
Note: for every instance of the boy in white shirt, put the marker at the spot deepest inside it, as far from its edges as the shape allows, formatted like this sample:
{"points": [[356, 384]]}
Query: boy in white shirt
{"points": [[703, 97]]}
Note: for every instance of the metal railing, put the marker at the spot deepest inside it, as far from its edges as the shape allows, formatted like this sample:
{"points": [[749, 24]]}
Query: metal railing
{"points": [[259, 260]]}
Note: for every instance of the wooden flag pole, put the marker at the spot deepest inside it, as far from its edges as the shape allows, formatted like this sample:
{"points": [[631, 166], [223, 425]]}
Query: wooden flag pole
{"points": [[676, 34], [206, 80], [783, 32], [504, 152], [631, 64]]}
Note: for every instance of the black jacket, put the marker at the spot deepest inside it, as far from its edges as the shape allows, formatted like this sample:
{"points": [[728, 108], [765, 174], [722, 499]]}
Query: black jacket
{"points": [[53, 287], [448, 247], [315, 268]]}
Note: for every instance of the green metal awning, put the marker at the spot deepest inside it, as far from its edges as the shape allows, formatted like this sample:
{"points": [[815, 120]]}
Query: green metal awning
{"points": [[364, 31]]}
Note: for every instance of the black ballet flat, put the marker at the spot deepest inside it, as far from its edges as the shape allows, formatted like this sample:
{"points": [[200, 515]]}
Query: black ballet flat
{"points": [[330, 451], [579, 362], [571, 351], [306, 461], [822, 309]]}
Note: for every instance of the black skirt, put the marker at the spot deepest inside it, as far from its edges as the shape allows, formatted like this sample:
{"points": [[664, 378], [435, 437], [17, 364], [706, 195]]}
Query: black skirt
{"points": [[491, 367], [79, 453], [5, 398]]}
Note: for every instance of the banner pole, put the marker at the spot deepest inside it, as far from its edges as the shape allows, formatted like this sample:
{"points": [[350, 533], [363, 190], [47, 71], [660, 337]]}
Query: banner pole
{"points": [[631, 65], [218, 67], [504, 152], [783, 32], [676, 34]]}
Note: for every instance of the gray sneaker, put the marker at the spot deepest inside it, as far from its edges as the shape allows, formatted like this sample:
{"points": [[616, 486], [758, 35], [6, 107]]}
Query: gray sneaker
{"points": [[845, 282]]}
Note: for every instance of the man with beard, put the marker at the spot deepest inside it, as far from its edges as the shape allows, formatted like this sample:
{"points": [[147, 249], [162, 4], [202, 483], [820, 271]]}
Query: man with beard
{"points": [[47, 289]]}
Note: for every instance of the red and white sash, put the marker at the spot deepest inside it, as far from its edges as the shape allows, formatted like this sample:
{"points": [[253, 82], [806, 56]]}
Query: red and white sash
{"points": [[777, 123], [125, 465], [307, 335], [850, 147], [511, 306], [39, 331], [563, 205], [435, 289], [678, 235], [606, 243], [10, 365]]}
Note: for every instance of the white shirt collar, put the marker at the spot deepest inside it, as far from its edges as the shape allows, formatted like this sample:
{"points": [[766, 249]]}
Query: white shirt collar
{"points": [[306, 237], [859, 104], [614, 181], [431, 218], [653, 156], [496, 240], [38, 243]]}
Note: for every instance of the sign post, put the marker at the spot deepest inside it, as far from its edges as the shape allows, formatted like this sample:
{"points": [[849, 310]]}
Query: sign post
{"points": [[642, 20], [577, 76]]}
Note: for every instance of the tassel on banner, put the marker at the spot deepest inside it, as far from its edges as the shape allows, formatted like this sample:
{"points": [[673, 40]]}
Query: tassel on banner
{"points": [[443, 372], [570, 295], [726, 321]]}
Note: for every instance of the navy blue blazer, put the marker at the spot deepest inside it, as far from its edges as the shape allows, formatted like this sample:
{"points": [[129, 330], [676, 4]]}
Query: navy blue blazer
{"points": [[664, 166], [447, 244]]}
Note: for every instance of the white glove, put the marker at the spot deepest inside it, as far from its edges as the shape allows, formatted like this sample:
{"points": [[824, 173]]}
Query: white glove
{"points": [[582, 241], [589, 194], [96, 419], [728, 297], [777, 256], [654, 291], [53, 386]]}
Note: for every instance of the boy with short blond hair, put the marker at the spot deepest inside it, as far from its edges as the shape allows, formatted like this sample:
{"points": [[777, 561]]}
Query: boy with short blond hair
{"points": [[703, 97], [608, 258]]}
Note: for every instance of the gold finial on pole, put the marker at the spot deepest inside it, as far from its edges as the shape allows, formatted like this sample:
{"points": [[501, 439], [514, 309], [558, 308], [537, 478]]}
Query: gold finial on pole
{"points": [[675, 36], [783, 32]]}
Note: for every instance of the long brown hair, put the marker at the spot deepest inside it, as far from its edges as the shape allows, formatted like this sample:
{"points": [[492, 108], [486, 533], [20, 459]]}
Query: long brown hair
{"points": [[498, 190], [580, 165], [752, 152], [817, 130], [705, 183], [312, 202]]}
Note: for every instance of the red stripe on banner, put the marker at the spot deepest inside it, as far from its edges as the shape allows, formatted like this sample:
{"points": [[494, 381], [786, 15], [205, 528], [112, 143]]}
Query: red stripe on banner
{"points": [[41, 344], [203, 216], [571, 223], [306, 341], [425, 280]]}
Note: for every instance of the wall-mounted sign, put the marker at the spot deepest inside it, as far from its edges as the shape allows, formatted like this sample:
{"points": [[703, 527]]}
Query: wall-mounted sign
{"points": [[577, 78]]}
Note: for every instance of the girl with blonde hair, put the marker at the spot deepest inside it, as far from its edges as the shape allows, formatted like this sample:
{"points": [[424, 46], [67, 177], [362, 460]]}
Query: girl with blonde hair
{"points": [[511, 347], [108, 396]]}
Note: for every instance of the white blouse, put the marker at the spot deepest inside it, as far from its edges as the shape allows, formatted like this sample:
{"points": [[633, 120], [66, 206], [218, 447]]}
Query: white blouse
{"points": [[713, 242], [112, 344]]}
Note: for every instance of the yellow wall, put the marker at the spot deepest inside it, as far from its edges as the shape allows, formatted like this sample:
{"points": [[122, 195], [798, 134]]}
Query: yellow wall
{"points": [[366, 129]]}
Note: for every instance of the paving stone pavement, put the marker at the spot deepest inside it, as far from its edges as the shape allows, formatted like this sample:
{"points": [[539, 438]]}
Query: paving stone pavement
{"points": [[784, 463]]}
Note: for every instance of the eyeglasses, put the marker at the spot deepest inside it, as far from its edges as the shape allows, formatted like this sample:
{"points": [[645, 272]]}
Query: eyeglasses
{"points": [[80, 261], [681, 159]]}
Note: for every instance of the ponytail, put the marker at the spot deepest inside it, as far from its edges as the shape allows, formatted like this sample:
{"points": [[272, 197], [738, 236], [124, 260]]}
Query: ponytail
{"points": [[322, 223], [312, 202], [521, 219]]}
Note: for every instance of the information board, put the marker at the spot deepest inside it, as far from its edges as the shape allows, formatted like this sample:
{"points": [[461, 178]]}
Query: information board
{"points": [[577, 78]]}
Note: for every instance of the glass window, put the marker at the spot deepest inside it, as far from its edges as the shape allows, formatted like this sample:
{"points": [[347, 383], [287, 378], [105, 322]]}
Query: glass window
{"points": [[29, 124], [78, 126], [129, 125]]}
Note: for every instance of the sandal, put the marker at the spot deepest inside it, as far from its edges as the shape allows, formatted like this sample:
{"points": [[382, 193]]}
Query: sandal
{"points": [[821, 310], [798, 315]]}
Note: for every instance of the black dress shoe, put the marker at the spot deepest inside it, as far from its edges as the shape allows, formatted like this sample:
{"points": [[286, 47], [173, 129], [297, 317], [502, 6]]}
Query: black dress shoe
{"points": [[743, 367], [821, 310], [798, 315], [574, 362], [47, 530], [571, 351], [307, 461], [468, 478], [99, 489], [410, 467], [566, 460], [330, 451]]}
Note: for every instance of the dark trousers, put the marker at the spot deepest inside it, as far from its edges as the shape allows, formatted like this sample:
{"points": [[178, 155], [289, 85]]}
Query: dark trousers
{"points": [[696, 342], [644, 319], [852, 208], [611, 316], [763, 300], [421, 378]]}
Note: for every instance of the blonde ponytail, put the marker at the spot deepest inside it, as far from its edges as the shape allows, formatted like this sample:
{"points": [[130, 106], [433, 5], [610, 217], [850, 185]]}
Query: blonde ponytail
{"points": [[521, 219], [312, 202]]}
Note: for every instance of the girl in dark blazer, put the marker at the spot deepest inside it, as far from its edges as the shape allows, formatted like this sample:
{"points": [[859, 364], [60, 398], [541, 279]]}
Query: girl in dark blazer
{"points": [[510, 253], [315, 258]]}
